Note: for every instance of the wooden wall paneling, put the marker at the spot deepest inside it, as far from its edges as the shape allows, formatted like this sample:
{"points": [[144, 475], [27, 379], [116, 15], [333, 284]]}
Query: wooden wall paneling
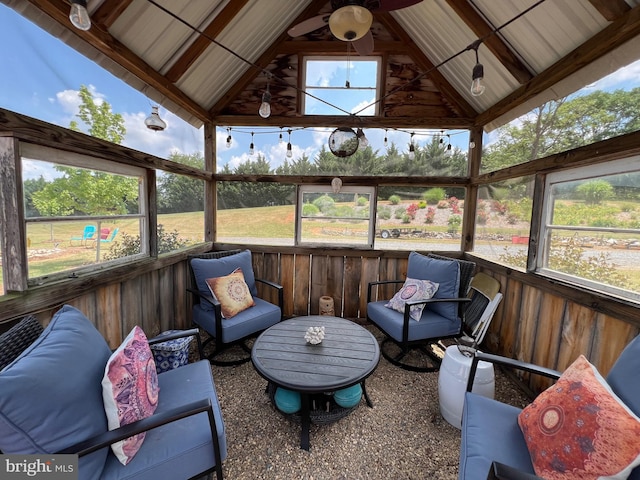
{"points": [[132, 306], [319, 279], [166, 300], [257, 263], [335, 282], [548, 337], [352, 292], [578, 329], [389, 271], [271, 272], [609, 339], [287, 280], [370, 273], [108, 318], [87, 305], [302, 284], [182, 300], [510, 325], [150, 319], [529, 311]]}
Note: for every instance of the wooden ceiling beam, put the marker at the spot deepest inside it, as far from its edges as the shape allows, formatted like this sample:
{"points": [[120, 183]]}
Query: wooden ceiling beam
{"points": [[109, 11], [337, 47], [202, 42], [624, 29], [342, 120], [491, 40], [610, 9], [99, 38], [441, 83], [263, 61]]}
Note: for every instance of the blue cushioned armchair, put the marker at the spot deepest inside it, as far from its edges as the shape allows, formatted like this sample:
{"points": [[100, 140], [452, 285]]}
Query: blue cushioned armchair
{"points": [[441, 318], [492, 444], [51, 402], [207, 313]]}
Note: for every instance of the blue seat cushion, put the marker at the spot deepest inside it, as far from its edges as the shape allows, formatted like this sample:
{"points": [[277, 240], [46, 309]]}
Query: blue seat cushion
{"points": [[204, 268], [44, 408], [348, 397], [287, 401], [431, 325], [254, 319], [490, 432], [446, 273], [180, 449]]}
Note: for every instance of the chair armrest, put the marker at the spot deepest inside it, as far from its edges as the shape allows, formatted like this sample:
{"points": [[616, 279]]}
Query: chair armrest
{"points": [[107, 438], [381, 282], [193, 332], [508, 362], [500, 471], [279, 289]]}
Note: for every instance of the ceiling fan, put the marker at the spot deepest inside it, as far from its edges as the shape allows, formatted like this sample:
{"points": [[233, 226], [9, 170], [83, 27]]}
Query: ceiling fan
{"points": [[350, 21]]}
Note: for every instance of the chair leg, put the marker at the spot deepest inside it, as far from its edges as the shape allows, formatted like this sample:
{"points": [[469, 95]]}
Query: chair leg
{"points": [[408, 359], [219, 350]]}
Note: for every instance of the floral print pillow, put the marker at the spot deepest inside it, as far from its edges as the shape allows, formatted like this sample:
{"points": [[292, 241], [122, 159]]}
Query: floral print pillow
{"points": [[412, 291]]}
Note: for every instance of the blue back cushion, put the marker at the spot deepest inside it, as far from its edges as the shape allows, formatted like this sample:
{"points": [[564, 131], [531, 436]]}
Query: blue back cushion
{"points": [[51, 395], [444, 272], [623, 376], [220, 267]]}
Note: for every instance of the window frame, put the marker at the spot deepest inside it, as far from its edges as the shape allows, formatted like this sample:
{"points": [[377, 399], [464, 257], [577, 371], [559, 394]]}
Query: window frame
{"points": [[311, 58], [53, 156], [315, 188], [588, 172]]}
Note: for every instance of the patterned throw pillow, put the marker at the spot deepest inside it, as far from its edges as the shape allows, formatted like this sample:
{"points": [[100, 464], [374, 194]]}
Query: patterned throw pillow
{"points": [[579, 429], [232, 292], [412, 291], [130, 390]]}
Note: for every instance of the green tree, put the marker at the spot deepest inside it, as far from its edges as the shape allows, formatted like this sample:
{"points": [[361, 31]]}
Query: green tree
{"points": [[179, 193], [102, 122]]}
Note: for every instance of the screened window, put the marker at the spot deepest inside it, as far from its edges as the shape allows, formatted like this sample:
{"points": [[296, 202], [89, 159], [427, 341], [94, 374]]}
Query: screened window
{"points": [[337, 86], [591, 227], [76, 216], [335, 216]]}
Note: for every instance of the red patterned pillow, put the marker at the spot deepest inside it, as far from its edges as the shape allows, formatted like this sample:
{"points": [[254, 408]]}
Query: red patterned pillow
{"points": [[579, 429], [130, 390]]}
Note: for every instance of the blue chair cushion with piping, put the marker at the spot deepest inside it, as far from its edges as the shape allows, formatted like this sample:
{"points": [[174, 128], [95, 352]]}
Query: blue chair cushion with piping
{"points": [[51, 395], [348, 397], [220, 267], [490, 432], [180, 449], [254, 319], [444, 272], [287, 401]]}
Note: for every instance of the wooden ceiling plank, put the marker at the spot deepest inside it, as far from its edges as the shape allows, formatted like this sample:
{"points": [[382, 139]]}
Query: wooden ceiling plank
{"points": [[333, 47], [101, 39], [426, 65], [267, 56], [494, 43], [109, 11], [622, 30], [610, 9], [202, 42]]}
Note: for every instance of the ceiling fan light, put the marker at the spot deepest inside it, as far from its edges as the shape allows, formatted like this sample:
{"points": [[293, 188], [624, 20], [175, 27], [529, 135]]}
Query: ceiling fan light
{"points": [[350, 23]]}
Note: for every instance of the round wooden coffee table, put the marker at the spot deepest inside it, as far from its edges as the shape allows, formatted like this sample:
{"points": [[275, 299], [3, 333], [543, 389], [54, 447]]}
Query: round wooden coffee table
{"points": [[347, 356]]}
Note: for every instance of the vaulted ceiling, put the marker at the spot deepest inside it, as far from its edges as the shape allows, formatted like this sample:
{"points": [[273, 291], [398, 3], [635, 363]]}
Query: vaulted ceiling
{"points": [[209, 60]]}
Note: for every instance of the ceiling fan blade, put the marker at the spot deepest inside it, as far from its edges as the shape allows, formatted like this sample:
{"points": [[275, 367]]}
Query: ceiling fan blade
{"points": [[389, 5], [309, 25], [364, 45]]}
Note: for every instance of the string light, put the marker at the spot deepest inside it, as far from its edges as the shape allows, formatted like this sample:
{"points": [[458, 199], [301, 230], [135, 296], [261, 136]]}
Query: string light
{"points": [[265, 106], [252, 150], [386, 139], [280, 140], [412, 149], [229, 137], [477, 76], [79, 15], [289, 149]]}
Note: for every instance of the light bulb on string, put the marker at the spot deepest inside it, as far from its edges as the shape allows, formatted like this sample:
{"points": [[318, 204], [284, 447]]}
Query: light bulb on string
{"points": [[79, 15], [472, 144], [265, 107], [448, 150], [289, 148], [441, 137], [386, 139], [280, 140], [229, 138], [412, 148], [252, 150], [363, 141], [477, 76]]}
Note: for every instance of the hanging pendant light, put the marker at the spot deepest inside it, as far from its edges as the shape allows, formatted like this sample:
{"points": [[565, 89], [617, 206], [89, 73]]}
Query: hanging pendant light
{"points": [[350, 23], [477, 76], [154, 122], [252, 149], [289, 148], [79, 15], [265, 107]]}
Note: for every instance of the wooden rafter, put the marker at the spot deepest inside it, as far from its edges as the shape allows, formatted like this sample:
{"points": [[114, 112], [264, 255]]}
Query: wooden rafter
{"points": [[99, 38], [201, 43], [109, 11], [617, 33], [492, 41], [610, 9]]}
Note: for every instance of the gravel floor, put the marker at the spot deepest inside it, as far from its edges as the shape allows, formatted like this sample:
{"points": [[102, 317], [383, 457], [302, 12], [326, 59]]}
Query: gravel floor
{"points": [[402, 437]]}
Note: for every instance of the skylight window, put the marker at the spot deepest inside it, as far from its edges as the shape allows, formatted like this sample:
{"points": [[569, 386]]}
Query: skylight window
{"points": [[339, 86]]}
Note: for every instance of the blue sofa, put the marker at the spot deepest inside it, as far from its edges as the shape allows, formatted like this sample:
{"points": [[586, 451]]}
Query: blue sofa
{"points": [[492, 444], [51, 402]]}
